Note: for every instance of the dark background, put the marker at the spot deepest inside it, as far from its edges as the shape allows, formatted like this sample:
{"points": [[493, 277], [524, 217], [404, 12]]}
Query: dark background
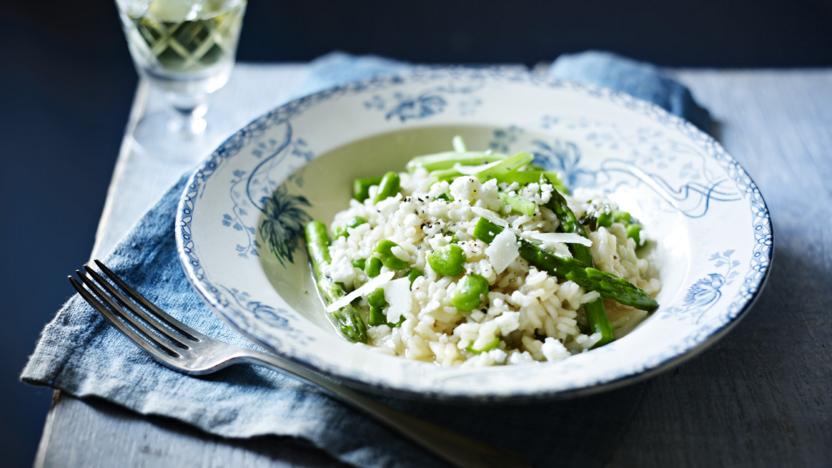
{"points": [[67, 83]]}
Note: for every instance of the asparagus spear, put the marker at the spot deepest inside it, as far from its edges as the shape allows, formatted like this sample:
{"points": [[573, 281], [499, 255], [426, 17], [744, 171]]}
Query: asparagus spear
{"points": [[505, 166], [447, 160], [595, 313], [348, 320], [609, 286]]}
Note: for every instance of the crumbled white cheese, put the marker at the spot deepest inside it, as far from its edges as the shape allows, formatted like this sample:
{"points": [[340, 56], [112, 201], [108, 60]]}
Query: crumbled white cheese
{"points": [[553, 350], [465, 188], [503, 250], [398, 297], [342, 271]]}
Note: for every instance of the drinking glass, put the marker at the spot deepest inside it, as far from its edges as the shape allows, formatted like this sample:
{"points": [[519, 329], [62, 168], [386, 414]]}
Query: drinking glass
{"points": [[184, 49]]}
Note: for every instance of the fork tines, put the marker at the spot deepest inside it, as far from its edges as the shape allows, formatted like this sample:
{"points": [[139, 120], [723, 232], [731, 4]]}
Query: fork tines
{"points": [[133, 314]]}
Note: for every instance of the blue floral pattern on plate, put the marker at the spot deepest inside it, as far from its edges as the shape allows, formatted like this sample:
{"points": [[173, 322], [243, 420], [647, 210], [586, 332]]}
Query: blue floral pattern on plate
{"points": [[403, 107], [688, 170]]}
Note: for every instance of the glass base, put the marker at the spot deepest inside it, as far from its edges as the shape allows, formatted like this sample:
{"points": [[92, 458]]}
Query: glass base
{"points": [[175, 136]]}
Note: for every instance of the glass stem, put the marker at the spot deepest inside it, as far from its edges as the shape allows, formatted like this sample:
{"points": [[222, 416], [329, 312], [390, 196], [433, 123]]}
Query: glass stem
{"points": [[190, 120]]}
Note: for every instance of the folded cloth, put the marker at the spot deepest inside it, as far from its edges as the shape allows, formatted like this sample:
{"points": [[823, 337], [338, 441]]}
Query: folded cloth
{"points": [[638, 79], [79, 353]]}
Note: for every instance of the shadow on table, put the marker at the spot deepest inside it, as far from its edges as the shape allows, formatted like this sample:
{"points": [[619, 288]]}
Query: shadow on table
{"points": [[575, 432]]}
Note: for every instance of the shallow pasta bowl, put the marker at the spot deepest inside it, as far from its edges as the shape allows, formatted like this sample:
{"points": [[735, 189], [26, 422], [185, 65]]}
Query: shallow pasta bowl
{"points": [[239, 223]]}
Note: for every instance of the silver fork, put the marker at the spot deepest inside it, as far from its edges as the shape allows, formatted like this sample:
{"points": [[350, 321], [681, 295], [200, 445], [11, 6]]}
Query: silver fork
{"points": [[186, 350]]}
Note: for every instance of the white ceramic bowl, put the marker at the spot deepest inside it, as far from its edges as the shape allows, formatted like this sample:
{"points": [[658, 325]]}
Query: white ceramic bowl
{"points": [[239, 230]]}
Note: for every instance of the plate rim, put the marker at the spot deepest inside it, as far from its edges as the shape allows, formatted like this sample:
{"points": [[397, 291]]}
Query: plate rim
{"points": [[652, 111]]}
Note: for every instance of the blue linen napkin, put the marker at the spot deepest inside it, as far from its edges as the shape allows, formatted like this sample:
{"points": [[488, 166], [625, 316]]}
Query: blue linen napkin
{"points": [[639, 79], [79, 353]]}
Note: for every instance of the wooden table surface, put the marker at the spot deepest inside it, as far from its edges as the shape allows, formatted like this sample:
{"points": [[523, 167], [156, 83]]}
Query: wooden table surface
{"points": [[760, 397]]}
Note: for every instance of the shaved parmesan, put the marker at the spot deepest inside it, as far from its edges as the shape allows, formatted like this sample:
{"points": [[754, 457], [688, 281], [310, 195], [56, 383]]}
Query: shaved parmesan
{"points": [[503, 250], [459, 144], [489, 215], [368, 287], [397, 295], [471, 170], [549, 238]]}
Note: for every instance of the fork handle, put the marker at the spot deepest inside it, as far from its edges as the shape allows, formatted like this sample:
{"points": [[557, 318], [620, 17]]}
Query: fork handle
{"points": [[448, 445]]}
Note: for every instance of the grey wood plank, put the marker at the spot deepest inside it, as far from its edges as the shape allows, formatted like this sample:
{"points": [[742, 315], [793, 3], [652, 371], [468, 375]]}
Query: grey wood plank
{"points": [[761, 397]]}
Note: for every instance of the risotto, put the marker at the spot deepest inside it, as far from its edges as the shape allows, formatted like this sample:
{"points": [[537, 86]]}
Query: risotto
{"points": [[479, 258]]}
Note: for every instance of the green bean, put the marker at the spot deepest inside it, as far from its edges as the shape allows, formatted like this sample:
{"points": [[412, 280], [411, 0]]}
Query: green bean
{"points": [[372, 267], [361, 187], [388, 186], [448, 260], [470, 292], [384, 252], [359, 263], [485, 230], [377, 304]]}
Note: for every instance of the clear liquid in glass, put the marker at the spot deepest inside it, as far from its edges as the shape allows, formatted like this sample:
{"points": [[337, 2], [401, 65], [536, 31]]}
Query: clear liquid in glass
{"points": [[185, 47]]}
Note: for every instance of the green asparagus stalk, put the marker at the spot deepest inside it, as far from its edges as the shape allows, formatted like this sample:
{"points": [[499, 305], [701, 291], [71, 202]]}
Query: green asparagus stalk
{"points": [[505, 167], [447, 160], [608, 286], [347, 319], [596, 315]]}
